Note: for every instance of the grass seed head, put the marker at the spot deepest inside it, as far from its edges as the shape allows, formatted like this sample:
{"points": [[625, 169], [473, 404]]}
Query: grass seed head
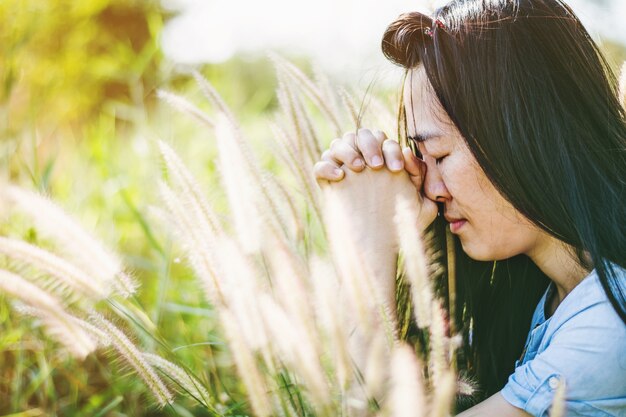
{"points": [[59, 324], [407, 394], [133, 357], [415, 261], [81, 247], [622, 86]]}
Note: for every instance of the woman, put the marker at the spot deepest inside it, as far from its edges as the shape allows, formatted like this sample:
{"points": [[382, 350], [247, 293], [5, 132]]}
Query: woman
{"points": [[518, 135]]}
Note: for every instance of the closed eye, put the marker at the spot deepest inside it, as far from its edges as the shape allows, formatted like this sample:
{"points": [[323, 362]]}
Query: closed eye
{"points": [[413, 144]]}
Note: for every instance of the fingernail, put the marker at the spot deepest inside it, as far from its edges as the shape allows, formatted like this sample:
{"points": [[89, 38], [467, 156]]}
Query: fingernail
{"points": [[338, 173], [358, 162], [395, 165], [377, 161]]}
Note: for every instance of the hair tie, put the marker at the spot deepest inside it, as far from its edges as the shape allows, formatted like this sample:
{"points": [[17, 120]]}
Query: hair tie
{"points": [[429, 31]]}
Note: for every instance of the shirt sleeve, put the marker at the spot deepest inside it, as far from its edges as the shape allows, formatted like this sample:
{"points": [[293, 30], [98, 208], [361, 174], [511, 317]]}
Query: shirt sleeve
{"points": [[586, 352]]}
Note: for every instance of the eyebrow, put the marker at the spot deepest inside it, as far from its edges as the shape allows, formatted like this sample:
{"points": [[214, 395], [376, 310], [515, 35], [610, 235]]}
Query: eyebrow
{"points": [[420, 138]]}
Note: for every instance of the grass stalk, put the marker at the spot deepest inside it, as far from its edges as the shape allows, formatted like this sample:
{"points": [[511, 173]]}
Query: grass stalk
{"points": [[133, 357], [58, 323], [59, 270]]}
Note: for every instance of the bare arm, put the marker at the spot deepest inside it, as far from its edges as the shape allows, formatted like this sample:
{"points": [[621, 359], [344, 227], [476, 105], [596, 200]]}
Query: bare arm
{"points": [[495, 405]]}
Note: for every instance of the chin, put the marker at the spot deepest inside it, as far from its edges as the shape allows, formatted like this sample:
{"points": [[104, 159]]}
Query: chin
{"points": [[478, 256], [483, 253]]}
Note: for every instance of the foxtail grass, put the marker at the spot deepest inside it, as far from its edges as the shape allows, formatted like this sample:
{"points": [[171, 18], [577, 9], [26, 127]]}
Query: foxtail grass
{"points": [[181, 378], [55, 269], [80, 246], [59, 325], [416, 267], [134, 358], [286, 69], [408, 398], [306, 327], [622, 86], [184, 106]]}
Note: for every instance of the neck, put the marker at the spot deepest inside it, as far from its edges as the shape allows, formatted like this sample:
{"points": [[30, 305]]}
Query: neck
{"points": [[559, 262]]}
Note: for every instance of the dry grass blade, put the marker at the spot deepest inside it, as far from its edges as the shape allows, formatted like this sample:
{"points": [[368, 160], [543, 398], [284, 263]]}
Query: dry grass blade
{"points": [[363, 299], [285, 148], [246, 366], [332, 318], [309, 88], [241, 192], [414, 261], [88, 253], [196, 238], [251, 173], [289, 281], [298, 349], [133, 357], [59, 269], [101, 338], [291, 215], [305, 178], [243, 286], [444, 395], [203, 215], [59, 324], [622, 86], [438, 355], [259, 193], [179, 376], [309, 149], [383, 117], [377, 372], [407, 396], [326, 89], [350, 105], [466, 386], [354, 272], [182, 105], [213, 96]]}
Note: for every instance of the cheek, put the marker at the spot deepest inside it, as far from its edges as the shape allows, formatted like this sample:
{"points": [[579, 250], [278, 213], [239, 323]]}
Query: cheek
{"points": [[496, 230], [465, 185]]}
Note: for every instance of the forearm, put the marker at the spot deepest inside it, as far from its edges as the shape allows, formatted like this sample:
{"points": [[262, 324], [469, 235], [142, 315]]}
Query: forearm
{"points": [[363, 242], [495, 405], [383, 265], [370, 322]]}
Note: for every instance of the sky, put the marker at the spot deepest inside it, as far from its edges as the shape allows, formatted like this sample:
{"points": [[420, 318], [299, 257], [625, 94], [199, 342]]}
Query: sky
{"points": [[341, 36]]}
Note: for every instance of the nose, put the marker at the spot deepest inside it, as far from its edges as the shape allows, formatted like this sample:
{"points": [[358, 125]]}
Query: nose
{"points": [[434, 186]]}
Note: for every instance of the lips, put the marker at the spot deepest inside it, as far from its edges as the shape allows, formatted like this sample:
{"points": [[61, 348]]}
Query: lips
{"points": [[455, 223]]}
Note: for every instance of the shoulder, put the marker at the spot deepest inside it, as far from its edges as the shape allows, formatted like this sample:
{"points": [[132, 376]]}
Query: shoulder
{"points": [[582, 345], [586, 309]]}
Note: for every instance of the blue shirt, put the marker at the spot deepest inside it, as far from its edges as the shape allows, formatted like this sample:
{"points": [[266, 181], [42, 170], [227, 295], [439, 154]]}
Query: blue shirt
{"points": [[582, 343]]}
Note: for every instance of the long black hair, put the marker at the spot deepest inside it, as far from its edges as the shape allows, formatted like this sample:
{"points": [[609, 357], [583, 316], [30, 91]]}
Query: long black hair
{"points": [[538, 106]]}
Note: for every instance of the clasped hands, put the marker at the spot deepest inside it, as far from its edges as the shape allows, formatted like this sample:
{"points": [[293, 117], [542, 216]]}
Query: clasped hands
{"points": [[367, 171]]}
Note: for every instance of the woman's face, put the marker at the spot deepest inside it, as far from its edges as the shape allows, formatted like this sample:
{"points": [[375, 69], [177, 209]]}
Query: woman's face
{"points": [[493, 228]]}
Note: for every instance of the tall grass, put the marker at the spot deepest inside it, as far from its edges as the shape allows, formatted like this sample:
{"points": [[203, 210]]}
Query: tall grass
{"points": [[300, 324]]}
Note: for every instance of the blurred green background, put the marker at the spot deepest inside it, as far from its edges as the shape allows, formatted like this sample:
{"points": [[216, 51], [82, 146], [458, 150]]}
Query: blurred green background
{"points": [[79, 117], [78, 121]]}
